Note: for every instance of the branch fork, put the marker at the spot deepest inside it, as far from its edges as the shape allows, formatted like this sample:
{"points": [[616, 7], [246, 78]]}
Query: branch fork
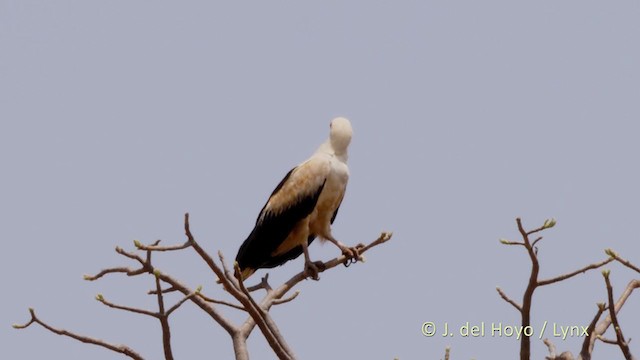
{"points": [[258, 311]]}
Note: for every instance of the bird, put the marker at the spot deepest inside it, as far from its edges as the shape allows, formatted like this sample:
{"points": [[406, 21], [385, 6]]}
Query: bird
{"points": [[302, 207]]}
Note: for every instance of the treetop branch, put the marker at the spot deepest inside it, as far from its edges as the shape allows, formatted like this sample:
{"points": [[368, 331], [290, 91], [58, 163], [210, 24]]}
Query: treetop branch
{"points": [[574, 273], [122, 349], [258, 311], [627, 263], [622, 343]]}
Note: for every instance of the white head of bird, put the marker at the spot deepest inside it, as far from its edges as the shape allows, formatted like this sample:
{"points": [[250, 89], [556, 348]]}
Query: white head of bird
{"points": [[340, 135]]}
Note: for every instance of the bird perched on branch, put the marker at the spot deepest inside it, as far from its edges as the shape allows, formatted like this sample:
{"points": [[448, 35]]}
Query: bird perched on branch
{"points": [[302, 207]]}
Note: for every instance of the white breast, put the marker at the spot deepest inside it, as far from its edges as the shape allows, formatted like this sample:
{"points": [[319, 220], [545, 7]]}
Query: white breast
{"points": [[330, 198]]}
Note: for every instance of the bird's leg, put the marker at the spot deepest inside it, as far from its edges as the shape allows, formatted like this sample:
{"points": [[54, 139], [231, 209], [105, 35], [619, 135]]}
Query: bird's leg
{"points": [[311, 269], [352, 253]]}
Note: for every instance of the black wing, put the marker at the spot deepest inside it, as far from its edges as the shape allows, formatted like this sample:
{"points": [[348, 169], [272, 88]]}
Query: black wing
{"points": [[272, 228]]}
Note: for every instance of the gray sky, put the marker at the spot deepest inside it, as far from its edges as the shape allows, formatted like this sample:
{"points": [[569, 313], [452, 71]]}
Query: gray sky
{"points": [[117, 117]]}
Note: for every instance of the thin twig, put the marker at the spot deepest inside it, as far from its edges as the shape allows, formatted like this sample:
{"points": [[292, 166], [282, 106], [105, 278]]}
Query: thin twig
{"points": [[164, 291], [287, 299], [201, 303], [509, 300], [101, 299], [533, 244], [530, 232], [574, 273], [507, 242], [263, 284], [175, 285], [228, 285], [125, 270], [121, 349], [383, 238], [622, 261], [624, 347], [551, 347], [179, 303], [164, 248], [221, 302], [604, 324], [130, 272], [585, 353], [130, 255], [164, 319], [227, 273], [608, 341]]}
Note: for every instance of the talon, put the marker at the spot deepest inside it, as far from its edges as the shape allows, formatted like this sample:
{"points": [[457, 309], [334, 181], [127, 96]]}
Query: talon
{"points": [[352, 254], [311, 269], [320, 266], [348, 253], [349, 261]]}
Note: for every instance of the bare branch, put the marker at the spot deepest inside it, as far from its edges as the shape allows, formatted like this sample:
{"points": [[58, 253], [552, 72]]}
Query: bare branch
{"points": [[221, 302], [228, 284], [549, 223], [187, 229], [201, 303], [533, 244], [508, 242], [259, 314], [179, 303], [608, 341], [552, 352], [159, 296], [574, 273], [264, 284], [175, 285], [264, 321], [622, 261], [164, 291], [148, 262], [101, 299], [535, 230], [126, 270], [509, 300], [536, 241], [164, 248], [162, 316], [525, 341], [130, 255], [624, 347], [121, 349], [602, 327], [585, 353], [287, 299], [552, 349], [565, 356], [280, 291], [383, 238], [227, 273]]}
